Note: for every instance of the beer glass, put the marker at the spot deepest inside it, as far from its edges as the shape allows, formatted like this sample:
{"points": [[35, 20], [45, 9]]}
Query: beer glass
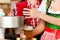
{"points": [[28, 31]]}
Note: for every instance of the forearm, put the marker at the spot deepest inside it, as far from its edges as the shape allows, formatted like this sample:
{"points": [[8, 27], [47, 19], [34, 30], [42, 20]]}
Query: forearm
{"points": [[50, 19], [39, 29]]}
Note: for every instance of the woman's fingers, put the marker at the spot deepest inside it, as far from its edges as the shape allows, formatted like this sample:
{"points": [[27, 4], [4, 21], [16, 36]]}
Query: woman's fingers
{"points": [[29, 12], [26, 12], [26, 9]]}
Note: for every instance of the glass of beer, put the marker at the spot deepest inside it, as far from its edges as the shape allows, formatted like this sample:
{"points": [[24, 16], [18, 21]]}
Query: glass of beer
{"points": [[28, 31]]}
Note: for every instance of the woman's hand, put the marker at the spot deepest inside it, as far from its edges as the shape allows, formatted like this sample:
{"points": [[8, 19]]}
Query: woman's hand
{"points": [[21, 33], [32, 12]]}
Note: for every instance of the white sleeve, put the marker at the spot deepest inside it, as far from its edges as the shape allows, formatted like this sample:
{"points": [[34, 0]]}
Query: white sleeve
{"points": [[42, 7]]}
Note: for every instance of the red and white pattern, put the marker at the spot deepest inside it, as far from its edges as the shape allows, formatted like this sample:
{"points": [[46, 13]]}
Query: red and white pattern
{"points": [[34, 22], [51, 34], [11, 13], [48, 36]]}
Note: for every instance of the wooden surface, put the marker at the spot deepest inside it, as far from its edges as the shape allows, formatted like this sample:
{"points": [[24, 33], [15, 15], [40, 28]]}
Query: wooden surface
{"points": [[15, 0], [5, 1], [6, 7]]}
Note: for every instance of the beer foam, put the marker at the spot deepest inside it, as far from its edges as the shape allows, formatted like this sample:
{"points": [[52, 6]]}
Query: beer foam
{"points": [[28, 28]]}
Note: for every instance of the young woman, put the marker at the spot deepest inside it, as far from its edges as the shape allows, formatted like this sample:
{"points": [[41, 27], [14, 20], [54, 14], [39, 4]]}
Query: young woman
{"points": [[35, 4], [30, 21], [52, 29]]}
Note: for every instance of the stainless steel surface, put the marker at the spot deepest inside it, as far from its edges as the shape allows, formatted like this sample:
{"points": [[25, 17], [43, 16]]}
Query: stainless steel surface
{"points": [[11, 22]]}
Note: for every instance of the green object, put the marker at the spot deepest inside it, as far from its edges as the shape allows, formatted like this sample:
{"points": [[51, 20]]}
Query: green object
{"points": [[49, 25], [2, 13]]}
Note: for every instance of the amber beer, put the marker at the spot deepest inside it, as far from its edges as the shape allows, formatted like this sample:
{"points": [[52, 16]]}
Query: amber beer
{"points": [[28, 31]]}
